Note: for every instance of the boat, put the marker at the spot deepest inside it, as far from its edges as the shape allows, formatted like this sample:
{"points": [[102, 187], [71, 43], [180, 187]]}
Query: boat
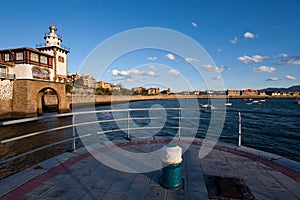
{"points": [[207, 107], [228, 104], [297, 101], [255, 101], [262, 100]]}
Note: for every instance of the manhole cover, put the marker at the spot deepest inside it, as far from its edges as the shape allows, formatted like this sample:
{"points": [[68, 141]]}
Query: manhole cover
{"points": [[224, 188]]}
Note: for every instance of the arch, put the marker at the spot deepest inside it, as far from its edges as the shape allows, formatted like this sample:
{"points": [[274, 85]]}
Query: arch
{"points": [[48, 100], [28, 97]]}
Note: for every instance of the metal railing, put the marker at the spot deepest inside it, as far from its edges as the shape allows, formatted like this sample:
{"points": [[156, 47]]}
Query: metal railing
{"points": [[41, 45], [126, 117]]}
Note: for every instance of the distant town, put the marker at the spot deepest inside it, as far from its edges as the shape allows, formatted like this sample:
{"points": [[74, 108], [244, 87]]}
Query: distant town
{"points": [[104, 88]]}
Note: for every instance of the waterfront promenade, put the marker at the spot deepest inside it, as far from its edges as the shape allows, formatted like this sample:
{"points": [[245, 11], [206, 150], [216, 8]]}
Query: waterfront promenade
{"points": [[227, 172]]}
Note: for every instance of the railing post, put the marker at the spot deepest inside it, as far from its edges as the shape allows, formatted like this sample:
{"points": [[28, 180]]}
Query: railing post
{"points": [[179, 126], [74, 135], [240, 130], [128, 115]]}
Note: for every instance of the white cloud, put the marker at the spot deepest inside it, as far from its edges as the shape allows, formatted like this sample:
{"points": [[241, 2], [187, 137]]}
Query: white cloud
{"points": [[249, 35], [216, 78], [272, 79], [129, 73], [194, 24], [215, 68], [189, 59], [170, 56], [283, 55], [153, 58], [290, 77], [252, 59], [285, 59], [234, 40], [174, 72], [150, 73], [219, 49], [263, 69], [152, 66]]}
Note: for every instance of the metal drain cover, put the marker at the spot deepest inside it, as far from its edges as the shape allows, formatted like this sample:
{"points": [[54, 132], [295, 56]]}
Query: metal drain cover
{"points": [[227, 188]]}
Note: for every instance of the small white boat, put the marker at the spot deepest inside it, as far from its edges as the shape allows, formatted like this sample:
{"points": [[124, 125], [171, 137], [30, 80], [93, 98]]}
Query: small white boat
{"points": [[228, 104], [255, 101], [262, 100], [208, 107]]}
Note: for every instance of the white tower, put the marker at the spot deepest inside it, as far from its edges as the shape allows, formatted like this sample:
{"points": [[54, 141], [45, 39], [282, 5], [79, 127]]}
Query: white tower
{"points": [[53, 47]]}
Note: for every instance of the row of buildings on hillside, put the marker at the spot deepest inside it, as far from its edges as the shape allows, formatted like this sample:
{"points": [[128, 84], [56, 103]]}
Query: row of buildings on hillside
{"points": [[89, 82], [260, 93]]}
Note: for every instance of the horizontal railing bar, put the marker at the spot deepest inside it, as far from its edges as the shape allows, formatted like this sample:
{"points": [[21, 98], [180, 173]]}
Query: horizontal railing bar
{"points": [[41, 148], [11, 122]]}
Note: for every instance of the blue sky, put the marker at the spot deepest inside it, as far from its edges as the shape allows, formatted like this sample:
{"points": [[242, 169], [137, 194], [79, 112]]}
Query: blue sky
{"points": [[254, 44]]}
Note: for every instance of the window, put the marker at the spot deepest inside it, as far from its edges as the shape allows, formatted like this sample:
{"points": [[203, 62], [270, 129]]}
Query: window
{"points": [[34, 57], [36, 72], [45, 74], [44, 59], [2, 71], [61, 59], [19, 56], [6, 57]]}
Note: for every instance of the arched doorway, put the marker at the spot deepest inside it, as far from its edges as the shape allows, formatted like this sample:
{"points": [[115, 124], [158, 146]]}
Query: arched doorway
{"points": [[48, 101]]}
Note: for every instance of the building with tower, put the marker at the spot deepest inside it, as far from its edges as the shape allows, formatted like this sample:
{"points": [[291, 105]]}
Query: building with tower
{"points": [[48, 62], [30, 76]]}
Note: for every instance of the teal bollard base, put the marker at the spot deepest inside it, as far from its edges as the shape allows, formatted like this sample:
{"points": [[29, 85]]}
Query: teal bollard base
{"points": [[171, 177]]}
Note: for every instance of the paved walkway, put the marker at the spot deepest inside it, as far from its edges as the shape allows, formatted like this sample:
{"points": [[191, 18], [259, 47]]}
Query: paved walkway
{"points": [[80, 176]]}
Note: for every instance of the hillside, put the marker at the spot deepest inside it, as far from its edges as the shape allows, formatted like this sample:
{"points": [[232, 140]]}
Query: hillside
{"points": [[295, 88]]}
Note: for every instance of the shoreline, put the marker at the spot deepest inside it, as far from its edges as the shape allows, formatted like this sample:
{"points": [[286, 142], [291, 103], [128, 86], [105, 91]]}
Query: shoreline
{"points": [[104, 100]]}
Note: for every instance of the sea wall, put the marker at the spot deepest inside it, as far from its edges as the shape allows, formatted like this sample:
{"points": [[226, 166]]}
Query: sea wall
{"points": [[6, 108]]}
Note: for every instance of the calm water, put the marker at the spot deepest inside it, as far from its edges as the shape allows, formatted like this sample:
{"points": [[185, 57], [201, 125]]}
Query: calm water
{"points": [[272, 126]]}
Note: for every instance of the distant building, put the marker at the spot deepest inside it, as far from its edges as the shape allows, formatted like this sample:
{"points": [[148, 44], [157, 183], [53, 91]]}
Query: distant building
{"points": [[167, 91], [88, 81], [196, 93], [116, 87], [153, 91], [249, 92], [262, 93], [48, 62], [233, 93], [139, 90], [103, 85]]}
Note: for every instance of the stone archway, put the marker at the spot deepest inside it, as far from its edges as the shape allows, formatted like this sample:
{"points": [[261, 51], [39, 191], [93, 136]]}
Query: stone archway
{"points": [[47, 101], [28, 94]]}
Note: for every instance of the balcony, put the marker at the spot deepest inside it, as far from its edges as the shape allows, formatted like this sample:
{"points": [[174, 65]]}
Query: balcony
{"points": [[5, 76], [41, 45]]}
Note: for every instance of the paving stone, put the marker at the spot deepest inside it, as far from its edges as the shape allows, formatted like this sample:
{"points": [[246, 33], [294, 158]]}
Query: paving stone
{"points": [[119, 187], [156, 191], [280, 194], [92, 195], [39, 191], [176, 195], [109, 196], [197, 195], [102, 185]]}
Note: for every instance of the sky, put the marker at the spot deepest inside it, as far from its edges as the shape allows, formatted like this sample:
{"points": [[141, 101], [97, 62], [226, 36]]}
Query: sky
{"points": [[242, 44]]}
